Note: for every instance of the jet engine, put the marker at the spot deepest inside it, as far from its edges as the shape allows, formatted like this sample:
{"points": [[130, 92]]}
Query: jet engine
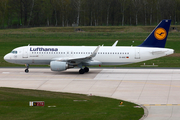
{"points": [[58, 66]]}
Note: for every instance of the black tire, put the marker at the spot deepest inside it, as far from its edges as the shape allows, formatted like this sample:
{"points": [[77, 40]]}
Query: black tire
{"points": [[86, 69], [26, 70], [81, 71]]}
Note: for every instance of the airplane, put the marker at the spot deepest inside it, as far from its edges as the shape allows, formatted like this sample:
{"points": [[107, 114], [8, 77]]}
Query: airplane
{"points": [[61, 58]]}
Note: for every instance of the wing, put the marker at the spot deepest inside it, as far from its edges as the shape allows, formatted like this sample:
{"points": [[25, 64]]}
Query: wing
{"points": [[78, 60]]}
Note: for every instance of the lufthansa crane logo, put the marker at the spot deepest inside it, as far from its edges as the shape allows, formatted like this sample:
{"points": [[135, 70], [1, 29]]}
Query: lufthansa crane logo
{"points": [[160, 33]]}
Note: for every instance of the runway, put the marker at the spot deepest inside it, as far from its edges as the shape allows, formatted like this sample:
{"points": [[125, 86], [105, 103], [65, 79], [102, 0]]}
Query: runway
{"points": [[156, 89]]}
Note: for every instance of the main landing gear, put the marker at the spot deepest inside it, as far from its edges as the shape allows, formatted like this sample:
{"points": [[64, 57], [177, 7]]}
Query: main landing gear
{"points": [[82, 71], [27, 68]]}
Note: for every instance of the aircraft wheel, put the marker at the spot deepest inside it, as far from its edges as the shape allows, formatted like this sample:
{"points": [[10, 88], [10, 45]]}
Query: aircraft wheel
{"points": [[81, 71], [86, 69], [26, 70]]}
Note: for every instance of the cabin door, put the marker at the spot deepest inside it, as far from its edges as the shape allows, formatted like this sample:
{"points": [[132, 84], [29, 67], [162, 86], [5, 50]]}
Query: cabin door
{"points": [[25, 53], [137, 53]]}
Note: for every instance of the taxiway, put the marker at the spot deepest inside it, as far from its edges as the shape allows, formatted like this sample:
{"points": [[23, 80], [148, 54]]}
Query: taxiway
{"points": [[156, 89]]}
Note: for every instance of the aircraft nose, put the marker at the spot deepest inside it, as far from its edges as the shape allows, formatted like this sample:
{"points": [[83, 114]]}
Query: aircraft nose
{"points": [[6, 57]]}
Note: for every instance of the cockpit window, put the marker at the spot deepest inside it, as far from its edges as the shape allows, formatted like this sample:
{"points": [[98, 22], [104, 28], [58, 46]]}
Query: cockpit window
{"points": [[14, 52]]}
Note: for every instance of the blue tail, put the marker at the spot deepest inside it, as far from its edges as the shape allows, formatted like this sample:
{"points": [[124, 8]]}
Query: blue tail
{"points": [[158, 36]]}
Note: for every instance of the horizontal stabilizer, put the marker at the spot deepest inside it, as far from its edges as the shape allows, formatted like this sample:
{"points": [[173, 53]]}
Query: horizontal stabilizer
{"points": [[158, 52]]}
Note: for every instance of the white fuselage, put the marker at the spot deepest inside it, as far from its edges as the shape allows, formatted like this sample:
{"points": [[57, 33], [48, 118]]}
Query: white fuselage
{"points": [[43, 55]]}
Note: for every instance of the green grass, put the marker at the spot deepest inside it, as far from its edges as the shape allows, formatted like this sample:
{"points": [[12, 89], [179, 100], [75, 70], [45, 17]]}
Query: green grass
{"points": [[14, 104], [93, 36]]}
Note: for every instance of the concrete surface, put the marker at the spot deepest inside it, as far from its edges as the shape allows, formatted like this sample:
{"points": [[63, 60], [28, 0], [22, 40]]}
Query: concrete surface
{"points": [[156, 89]]}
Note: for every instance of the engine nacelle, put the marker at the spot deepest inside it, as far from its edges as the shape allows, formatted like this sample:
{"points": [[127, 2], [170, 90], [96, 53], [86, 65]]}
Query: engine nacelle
{"points": [[58, 66]]}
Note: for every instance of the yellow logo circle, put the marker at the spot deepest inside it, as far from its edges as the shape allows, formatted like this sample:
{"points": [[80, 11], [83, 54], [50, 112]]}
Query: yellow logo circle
{"points": [[160, 33]]}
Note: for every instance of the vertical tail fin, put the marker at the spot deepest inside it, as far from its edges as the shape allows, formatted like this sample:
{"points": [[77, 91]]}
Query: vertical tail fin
{"points": [[158, 36]]}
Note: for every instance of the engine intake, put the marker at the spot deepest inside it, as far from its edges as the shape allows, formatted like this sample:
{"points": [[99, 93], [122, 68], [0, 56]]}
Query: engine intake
{"points": [[58, 66]]}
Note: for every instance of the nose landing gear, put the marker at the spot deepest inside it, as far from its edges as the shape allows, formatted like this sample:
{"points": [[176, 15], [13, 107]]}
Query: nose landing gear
{"points": [[27, 68]]}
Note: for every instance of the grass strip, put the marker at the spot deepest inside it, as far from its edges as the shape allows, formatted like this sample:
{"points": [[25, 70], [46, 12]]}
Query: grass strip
{"points": [[14, 104]]}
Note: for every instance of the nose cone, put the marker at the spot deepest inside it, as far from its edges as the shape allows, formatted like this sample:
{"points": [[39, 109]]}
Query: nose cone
{"points": [[7, 57]]}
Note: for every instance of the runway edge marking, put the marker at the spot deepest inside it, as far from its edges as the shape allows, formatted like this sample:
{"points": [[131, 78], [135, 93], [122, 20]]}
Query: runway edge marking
{"points": [[160, 104]]}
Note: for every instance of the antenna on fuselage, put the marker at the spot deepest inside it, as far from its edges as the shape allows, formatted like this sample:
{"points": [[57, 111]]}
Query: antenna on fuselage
{"points": [[28, 44]]}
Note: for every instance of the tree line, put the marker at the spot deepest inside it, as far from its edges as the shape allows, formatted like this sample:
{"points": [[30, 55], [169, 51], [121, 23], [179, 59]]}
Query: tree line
{"points": [[29, 13]]}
